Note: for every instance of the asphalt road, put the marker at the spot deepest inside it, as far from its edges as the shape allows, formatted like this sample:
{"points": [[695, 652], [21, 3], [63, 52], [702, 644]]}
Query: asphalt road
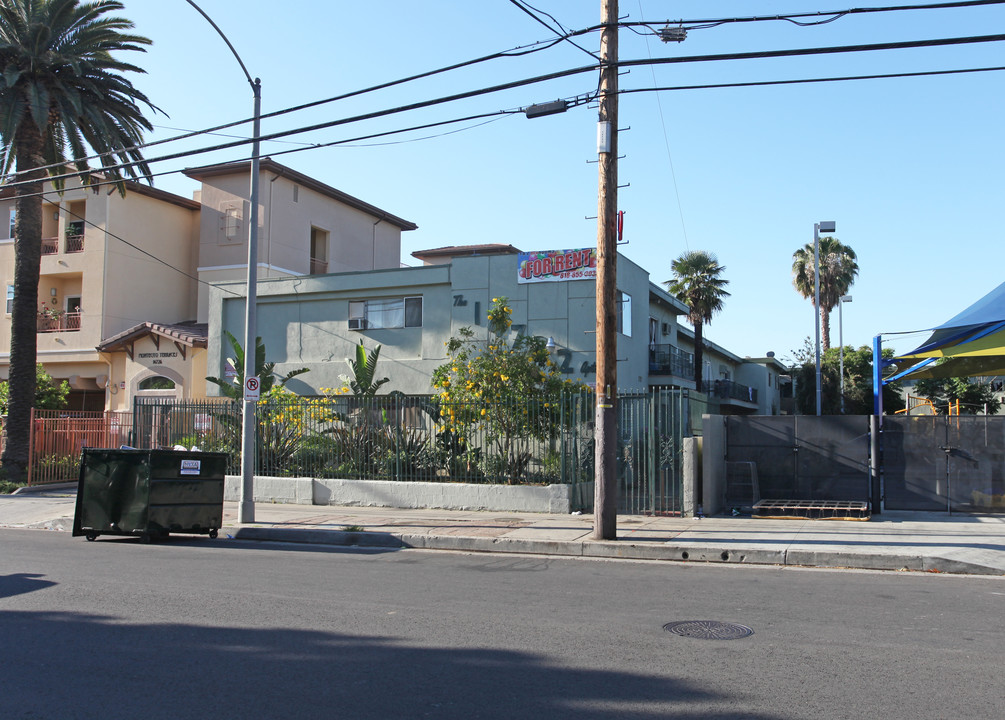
{"points": [[195, 628]]}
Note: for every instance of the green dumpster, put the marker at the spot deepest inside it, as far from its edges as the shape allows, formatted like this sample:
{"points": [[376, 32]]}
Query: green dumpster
{"points": [[149, 493]]}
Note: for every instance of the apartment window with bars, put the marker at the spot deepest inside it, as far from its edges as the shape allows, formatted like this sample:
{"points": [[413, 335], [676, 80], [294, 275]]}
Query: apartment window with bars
{"points": [[388, 313]]}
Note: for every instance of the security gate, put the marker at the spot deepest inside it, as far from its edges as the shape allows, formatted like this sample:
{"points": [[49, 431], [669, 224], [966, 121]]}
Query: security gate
{"points": [[651, 429], [799, 457], [953, 463]]}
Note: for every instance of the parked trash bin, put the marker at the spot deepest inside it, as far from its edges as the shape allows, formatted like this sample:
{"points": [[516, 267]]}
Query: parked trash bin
{"points": [[149, 493]]}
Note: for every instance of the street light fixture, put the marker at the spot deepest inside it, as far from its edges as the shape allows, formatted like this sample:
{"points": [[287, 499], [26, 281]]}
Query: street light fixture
{"points": [[246, 508], [827, 226], [841, 301]]}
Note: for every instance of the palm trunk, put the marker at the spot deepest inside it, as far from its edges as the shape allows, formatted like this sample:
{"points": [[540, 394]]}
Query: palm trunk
{"points": [[698, 356], [24, 310], [825, 332]]}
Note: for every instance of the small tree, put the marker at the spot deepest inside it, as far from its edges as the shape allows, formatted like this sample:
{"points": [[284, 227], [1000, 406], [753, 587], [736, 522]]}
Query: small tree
{"points": [[362, 382], [858, 398], [506, 390], [49, 395], [265, 371], [280, 415], [974, 395]]}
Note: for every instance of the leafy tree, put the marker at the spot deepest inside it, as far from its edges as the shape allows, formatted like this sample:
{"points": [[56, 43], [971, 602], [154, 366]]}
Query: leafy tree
{"points": [[973, 394], [505, 390], [49, 395], [264, 371], [838, 269], [858, 399], [698, 284], [62, 98]]}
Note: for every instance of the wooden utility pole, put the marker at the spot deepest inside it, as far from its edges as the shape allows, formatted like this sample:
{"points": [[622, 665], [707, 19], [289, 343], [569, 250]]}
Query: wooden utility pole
{"points": [[605, 501]]}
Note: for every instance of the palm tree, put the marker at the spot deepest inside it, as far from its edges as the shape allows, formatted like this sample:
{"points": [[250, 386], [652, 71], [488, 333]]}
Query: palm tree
{"points": [[62, 96], [837, 274], [697, 283]]}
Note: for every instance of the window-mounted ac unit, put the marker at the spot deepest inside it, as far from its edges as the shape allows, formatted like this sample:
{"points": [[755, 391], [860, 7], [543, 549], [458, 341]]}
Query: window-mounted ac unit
{"points": [[357, 323]]}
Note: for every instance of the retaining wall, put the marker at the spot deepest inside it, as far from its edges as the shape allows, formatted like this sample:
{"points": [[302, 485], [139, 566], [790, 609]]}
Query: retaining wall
{"points": [[557, 499]]}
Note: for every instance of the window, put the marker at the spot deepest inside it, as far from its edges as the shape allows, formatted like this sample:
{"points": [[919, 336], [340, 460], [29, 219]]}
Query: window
{"points": [[231, 217], [13, 221], [391, 313], [157, 382], [624, 313], [10, 299]]}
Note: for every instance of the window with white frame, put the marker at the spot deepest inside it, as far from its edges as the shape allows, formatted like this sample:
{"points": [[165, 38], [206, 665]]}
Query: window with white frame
{"points": [[624, 313], [10, 299], [13, 222], [402, 312]]}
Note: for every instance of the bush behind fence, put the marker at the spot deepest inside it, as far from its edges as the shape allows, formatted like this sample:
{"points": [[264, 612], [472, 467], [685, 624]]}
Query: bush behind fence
{"points": [[393, 437]]}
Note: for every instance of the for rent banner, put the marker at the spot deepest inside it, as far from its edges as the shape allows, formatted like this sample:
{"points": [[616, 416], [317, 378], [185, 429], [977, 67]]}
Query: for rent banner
{"points": [[555, 265]]}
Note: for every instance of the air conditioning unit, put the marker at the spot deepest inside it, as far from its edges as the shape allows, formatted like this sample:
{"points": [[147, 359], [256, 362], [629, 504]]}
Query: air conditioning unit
{"points": [[357, 323]]}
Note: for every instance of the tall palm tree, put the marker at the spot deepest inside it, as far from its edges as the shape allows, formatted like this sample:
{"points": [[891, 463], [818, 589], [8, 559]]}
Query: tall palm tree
{"points": [[698, 284], [838, 268], [62, 97]]}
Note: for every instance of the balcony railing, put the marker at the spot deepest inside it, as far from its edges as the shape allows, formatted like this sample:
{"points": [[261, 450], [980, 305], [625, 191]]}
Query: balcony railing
{"points": [[670, 360], [729, 390], [74, 243], [318, 267], [58, 322], [50, 246]]}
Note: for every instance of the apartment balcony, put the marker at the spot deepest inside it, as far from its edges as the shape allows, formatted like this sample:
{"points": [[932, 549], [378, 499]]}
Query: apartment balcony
{"points": [[74, 244], [727, 391], [670, 360], [50, 322], [318, 267]]}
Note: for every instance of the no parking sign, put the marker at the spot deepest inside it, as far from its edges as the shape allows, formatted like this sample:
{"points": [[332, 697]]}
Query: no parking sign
{"points": [[252, 388]]}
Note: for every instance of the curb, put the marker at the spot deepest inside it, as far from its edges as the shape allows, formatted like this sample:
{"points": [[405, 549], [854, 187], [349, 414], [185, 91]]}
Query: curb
{"points": [[720, 555]]}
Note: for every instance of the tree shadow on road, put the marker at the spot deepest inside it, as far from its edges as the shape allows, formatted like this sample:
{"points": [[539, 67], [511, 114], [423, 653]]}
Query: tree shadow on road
{"points": [[71, 665]]}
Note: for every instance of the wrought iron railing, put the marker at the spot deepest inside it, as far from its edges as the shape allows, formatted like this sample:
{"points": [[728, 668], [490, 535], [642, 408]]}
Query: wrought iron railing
{"points": [[727, 389], [670, 360], [50, 246], [48, 322], [75, 243]]}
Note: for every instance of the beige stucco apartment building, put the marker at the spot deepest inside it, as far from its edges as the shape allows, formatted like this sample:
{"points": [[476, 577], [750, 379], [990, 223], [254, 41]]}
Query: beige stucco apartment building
{"points": [[123, 304]]}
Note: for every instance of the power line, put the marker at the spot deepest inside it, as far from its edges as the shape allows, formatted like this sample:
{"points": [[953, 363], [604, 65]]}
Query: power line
{"points": [[755, 55], [529, 49], [532, 11], [763, 83], [666, 143], [513, 52]]}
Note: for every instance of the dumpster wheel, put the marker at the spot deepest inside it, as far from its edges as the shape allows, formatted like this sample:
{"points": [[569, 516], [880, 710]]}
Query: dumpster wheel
{"points": [[213, 534], [91, 536]]}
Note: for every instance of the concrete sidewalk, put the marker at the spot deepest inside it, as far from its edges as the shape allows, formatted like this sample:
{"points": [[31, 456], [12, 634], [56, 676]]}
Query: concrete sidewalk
{"points": [[932, 542]]}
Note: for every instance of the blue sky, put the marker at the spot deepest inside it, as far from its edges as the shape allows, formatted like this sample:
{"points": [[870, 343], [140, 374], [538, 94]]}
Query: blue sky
{"points": [[910, 169]]}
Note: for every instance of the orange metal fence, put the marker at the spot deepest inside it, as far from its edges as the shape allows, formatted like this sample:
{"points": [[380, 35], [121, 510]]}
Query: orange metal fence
{"points": [[58, 437]]}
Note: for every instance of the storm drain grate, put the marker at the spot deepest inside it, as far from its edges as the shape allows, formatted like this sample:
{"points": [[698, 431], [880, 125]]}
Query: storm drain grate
{"points": [[708, 629]]}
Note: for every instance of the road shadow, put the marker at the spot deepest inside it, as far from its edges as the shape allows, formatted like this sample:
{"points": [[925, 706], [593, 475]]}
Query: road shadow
{"points": [[97, 666], [21, 583]]}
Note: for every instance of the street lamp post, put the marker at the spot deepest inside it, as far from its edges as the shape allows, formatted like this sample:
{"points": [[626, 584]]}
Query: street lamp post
{"points": [[246, 508], [826, 226], [841, 301]]}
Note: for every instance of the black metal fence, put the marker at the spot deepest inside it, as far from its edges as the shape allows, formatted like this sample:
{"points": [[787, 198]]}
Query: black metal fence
{"points": [[407, 437]]}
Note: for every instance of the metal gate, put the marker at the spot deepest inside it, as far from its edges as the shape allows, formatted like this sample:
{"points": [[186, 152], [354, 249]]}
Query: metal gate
{"points": [[651, 429], [800, 457], [953, 463]]}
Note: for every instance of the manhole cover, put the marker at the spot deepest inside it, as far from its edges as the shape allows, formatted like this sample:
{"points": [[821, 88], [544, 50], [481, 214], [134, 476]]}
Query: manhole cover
{"points": [[708, 629]]}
